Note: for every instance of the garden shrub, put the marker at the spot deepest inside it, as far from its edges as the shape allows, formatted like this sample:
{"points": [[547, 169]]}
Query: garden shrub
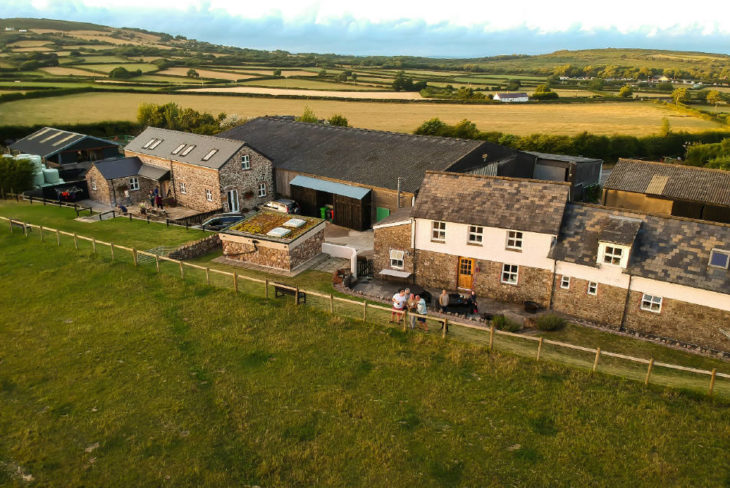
{"points": [[550, 322]]}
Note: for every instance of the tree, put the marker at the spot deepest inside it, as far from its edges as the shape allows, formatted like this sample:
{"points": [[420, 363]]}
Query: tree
{"points": [[338, 120], [402, 83], [308, 116], [596, 84], [666, 128], [514, 85], [192, 73], [121, 73], [713, 97], [543, 92], [15, 175], [680, 95], [626, 91], [433, 127], [341, 77], [322, 73], [277, 72]]}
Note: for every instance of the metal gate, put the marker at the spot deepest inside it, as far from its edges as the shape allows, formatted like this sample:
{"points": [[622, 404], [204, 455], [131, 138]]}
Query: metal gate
{"points": [[364, 267]]}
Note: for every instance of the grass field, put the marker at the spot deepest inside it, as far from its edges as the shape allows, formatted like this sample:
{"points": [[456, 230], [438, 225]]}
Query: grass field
{"points": [[106, 68], [605, 118], [113, 376], [205, 73], [308, 84], [62, 71]]}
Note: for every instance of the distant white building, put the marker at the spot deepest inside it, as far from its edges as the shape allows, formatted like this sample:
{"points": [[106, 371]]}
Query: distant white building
{"points": [[511, 97], [7, 29]]}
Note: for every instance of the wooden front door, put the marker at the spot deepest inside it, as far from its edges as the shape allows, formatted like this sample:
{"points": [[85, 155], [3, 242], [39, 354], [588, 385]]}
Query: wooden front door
{"points": [[465, 278]]}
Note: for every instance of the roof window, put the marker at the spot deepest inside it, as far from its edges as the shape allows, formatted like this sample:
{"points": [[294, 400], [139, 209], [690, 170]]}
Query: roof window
{"points": [[149, 143], [155, 144], [187, 150], [719, 258], [178, 149], [210, 154]]}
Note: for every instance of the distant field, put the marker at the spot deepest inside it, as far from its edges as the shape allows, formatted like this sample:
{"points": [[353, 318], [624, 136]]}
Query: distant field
{"points": [[205, 73], [106, 68], [605, 118], [308, 84], [61, 71], [104, 59], [357, 94]]}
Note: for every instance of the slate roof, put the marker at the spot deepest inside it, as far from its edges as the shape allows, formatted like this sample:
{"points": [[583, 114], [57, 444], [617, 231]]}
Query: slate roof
{"points": [[125, 167], [48, 141], [369, 157], [492, 201], [673, 181], [173, 139], [670, 249]]}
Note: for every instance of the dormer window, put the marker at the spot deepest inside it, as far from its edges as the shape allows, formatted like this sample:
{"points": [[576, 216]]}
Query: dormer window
{"points": [[187, 150], [719, 258], [612, 255]]}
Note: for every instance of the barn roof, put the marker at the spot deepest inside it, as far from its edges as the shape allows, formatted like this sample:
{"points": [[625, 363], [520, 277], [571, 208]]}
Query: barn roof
{"points": [[48, 141]]}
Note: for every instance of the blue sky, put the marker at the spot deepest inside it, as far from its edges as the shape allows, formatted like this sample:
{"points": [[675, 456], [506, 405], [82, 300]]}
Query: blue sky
{"points": [[421, 28]]}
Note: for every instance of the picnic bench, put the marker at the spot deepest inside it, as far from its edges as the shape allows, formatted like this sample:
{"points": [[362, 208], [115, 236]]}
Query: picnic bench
{"points": [[280, 289]]}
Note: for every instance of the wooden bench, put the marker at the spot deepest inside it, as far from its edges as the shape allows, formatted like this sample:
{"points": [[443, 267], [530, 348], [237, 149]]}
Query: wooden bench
{"points": [[280, 289]]}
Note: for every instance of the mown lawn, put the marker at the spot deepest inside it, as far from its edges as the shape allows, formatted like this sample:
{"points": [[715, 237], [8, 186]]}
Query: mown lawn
{"points": [[134, 233], [116, 376]]}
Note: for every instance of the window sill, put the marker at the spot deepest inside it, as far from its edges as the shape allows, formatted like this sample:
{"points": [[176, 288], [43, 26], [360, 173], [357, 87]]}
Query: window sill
{"points": [[652, 311], [477, 244], [438, 242], [508, 283], [513, 249]]}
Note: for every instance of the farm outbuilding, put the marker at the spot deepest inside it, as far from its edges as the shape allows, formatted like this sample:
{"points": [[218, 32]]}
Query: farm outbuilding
{"points": [[345, 205], [64, 148]]}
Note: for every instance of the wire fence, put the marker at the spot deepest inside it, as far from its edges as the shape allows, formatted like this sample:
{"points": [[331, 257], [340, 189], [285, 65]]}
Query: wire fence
{"points": [[711, 382]]}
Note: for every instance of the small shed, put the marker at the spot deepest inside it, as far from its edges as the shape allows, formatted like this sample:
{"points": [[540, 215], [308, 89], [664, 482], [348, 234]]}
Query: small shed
{"points": [[349, 206]]}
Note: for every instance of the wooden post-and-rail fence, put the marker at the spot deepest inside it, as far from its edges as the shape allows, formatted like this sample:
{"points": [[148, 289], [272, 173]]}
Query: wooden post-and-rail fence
{"points": [[365, 306]]}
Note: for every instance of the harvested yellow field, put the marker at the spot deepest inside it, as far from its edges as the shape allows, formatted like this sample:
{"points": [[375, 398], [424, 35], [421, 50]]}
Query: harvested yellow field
{"points": [[363, 95], [28, 43], [37, 49], [600, 118], [205, 73], [60, 71]]}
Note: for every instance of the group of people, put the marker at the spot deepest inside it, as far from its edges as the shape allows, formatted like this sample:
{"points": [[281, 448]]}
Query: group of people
{"points": [[155, 198], [404, 301]]}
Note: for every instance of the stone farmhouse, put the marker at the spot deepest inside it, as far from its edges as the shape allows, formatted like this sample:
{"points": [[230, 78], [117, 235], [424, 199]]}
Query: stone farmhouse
{"points": [[522, 240], [669, 189], [205, 173]]}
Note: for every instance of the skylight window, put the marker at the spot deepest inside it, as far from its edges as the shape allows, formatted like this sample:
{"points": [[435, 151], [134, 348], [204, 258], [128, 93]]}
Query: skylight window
{"points": [[178, 149], [187, 150], [149, 143], [155, 144], [719, 258], [210, 154]]}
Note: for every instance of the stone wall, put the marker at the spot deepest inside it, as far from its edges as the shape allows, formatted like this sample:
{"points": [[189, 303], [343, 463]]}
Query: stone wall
{"points": [[533, 284], [197, 180], [397, 237], [135, 196], [307, 250], [103, 189], [246, 181], [259, 254], [198, 248], [435, 269], [606, 308], [686, 322]]}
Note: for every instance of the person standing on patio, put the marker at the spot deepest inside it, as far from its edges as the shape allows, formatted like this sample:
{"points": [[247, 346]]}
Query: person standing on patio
{"points": [[412, 304], [422, 310], [443, 301], [399, 302]]}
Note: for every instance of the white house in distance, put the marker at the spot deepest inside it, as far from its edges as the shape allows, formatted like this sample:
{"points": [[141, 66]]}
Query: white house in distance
{"points": [[511, 97]]}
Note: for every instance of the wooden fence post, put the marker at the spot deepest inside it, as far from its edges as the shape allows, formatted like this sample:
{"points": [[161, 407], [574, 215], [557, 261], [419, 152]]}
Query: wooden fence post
{"points": [[157, 262], [539, 349], [235, 282], [332, 303], [58, 237], [11, 225], [93, 245], [491, 338], [595, 361], [207, 276], [712, 381], [182, 270], [266, 288], [364, 311], [76, 242], [25, 229], [42, 236], [111, 248], [648, 372], [134, 256], [296, 296], [404, 318], [446, 328]]}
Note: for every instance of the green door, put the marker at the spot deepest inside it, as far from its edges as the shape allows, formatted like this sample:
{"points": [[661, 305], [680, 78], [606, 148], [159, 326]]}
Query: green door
{"points": [[381, 213]]}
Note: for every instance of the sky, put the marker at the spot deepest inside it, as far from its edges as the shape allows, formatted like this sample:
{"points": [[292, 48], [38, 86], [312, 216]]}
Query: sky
{"points": [[467, 28]]}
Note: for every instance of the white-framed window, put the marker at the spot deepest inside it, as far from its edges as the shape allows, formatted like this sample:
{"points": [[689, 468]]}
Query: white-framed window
{"points": [[719, 258], [209, 195], [476, 234], [245, 162], [262, 189], [592, 288], [210, 154], [565, 282], [178, 149], [397, 259], [438, 231], [650, 303], [134, 183], [93, 184], [613, 255], [183, 190], [187, 150], [514, 240], [155, 143], [510, 274]]}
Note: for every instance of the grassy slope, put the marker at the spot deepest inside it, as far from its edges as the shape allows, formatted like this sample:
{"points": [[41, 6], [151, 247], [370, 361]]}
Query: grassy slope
{"points": [[190, 386]]}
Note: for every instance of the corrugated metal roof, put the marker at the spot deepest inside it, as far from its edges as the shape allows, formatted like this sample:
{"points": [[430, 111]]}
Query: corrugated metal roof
{"points": [[330, 187], [188, 147], [687, 183], [48, 141], [564, 157]]}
